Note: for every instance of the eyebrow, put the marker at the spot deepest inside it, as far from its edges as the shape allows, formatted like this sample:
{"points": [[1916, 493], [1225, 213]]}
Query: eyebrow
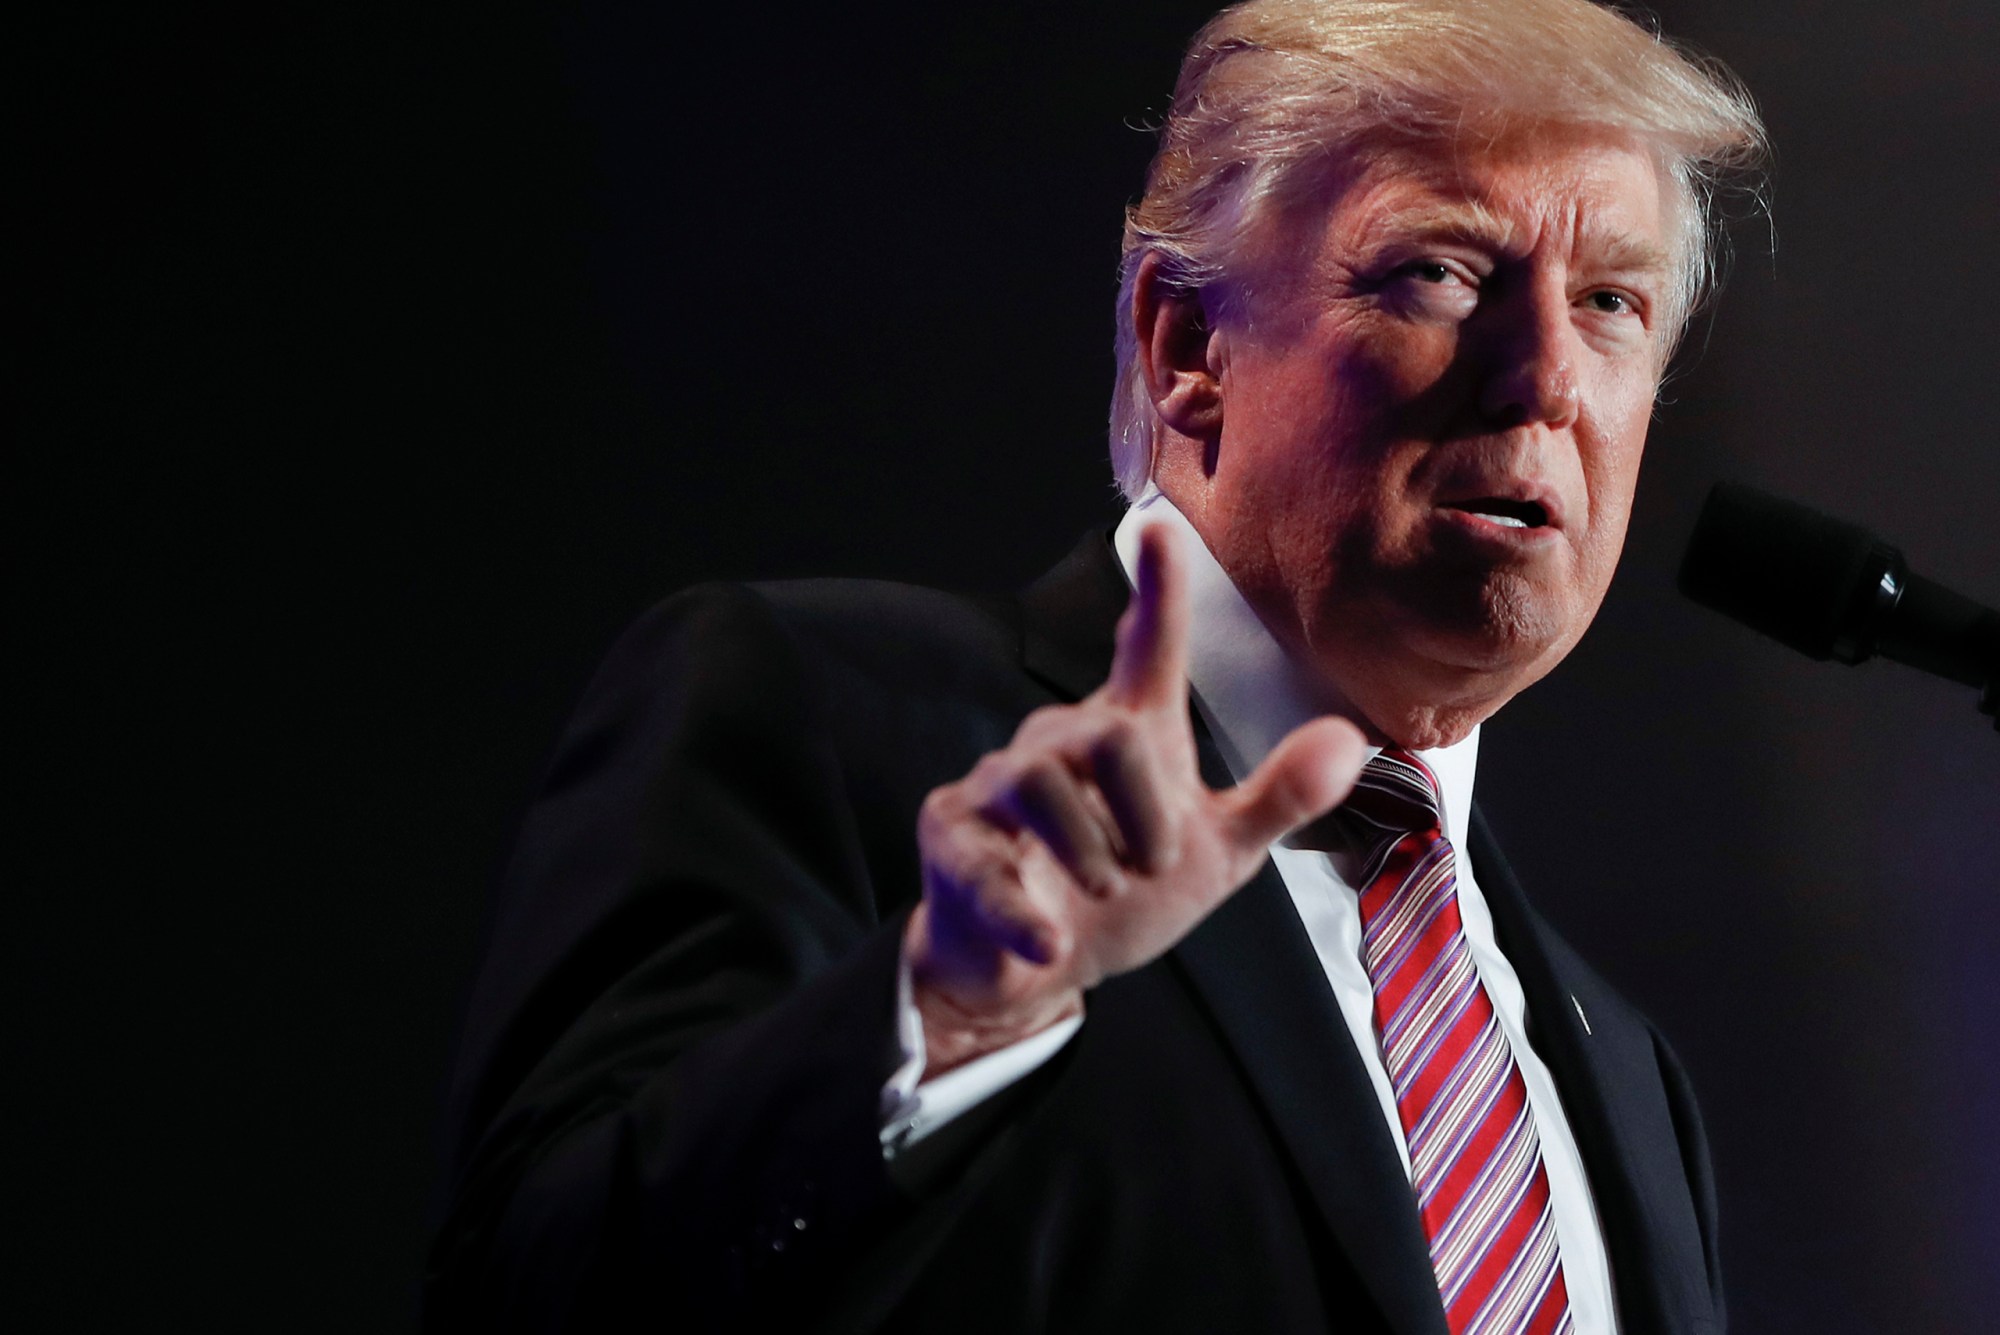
{"points": [[1471, 221]]}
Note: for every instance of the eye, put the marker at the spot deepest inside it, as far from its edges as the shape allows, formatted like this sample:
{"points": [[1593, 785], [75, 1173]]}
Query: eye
{"points": [[1433, 284], [1611, 302], [1430, 287], [1430, 271]]}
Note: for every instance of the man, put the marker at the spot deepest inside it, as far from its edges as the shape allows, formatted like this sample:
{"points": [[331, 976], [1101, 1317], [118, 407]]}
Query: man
{"points": [[880, 959]]}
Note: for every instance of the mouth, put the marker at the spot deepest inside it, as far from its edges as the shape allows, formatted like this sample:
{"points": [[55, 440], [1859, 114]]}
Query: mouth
{"points": [[1505, 511]]}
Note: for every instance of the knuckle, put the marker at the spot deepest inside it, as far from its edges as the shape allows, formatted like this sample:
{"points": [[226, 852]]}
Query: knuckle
{"points": [[1041, 777], [993, 875], [1011, 913], [942, 809], [991, 769], [1117, 737], [977, 881], [1102, 879], [1041, 720], [991, 787], [938, 803]]}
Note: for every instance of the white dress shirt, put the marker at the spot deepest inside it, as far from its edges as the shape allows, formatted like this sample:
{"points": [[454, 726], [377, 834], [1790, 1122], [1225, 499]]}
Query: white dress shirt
{"points": [[1250, 695]]}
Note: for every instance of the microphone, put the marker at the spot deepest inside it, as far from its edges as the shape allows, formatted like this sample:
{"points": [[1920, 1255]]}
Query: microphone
{"points": [[1833, 590]]}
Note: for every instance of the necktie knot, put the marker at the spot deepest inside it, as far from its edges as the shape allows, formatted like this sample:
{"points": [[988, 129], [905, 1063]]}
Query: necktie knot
{"points": [[1397, 794]]}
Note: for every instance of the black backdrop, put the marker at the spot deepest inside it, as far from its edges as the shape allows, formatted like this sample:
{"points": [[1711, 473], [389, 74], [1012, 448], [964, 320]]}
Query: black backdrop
{"points": [[384, 360]]}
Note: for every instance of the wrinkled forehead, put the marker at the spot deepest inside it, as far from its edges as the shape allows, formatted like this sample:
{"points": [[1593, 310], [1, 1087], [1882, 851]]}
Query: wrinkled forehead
{"points": [[1601, 192], [1595, 192]]}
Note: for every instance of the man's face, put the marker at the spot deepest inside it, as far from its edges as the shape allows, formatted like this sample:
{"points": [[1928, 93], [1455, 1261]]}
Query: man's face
{"points": [[1433, 402]]}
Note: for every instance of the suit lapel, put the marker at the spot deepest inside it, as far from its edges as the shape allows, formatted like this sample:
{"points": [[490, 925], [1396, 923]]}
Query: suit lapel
{"points": [[1254, 966], [1608, 1072], [1254, 969]]}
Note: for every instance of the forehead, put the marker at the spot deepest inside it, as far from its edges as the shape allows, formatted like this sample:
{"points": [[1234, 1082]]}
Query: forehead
{"points": [[1588, 199]]}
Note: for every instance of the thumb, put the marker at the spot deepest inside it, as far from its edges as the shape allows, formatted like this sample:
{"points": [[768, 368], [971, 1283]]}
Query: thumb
{"points": [[1306, 775]]}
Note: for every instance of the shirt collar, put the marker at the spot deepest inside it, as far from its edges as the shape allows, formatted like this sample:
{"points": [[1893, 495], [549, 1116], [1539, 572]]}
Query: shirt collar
{"points": [[1250, 692]]}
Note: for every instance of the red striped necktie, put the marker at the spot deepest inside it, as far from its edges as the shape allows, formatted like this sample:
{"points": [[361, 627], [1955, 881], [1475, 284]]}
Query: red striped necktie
{"points": [[1476, 1162]]}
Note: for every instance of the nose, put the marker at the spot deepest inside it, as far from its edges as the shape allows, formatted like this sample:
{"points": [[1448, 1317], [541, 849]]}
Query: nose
{"points": [[1531, 375]]}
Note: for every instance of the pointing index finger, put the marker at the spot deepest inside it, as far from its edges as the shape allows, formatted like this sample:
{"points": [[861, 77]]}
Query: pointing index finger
{"points": [[1149, 669]]}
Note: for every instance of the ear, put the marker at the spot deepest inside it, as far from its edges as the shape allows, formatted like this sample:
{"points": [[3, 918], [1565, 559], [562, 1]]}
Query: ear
{"points": [[1179, 354]]}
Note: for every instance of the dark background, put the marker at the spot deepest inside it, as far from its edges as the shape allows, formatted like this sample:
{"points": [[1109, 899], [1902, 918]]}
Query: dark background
{"points": [[383, 361]]}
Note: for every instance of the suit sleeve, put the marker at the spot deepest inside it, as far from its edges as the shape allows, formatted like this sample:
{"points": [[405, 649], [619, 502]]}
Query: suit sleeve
{"points": [[665, 1111]]}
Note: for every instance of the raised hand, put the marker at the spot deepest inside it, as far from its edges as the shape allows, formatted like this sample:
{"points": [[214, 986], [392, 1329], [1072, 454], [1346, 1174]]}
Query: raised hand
{"points": [[1089, 844]]}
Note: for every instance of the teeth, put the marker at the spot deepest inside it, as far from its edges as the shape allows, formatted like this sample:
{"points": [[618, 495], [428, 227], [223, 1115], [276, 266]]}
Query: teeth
{"points": [[1506, 521]]}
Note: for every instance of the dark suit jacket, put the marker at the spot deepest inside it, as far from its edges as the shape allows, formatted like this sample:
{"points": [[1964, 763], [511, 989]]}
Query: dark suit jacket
{"points": [[665, 1113]]}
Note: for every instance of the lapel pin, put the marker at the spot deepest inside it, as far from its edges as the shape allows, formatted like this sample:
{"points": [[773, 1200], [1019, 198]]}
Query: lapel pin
{"points": [[1581, 1016]]}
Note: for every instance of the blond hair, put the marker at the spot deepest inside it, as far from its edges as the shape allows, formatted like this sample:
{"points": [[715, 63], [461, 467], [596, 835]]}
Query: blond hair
{"points": [[1276, 94]]}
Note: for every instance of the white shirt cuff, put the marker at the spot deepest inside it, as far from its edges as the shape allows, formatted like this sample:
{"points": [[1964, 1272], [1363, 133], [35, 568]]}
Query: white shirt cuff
{"points": [[913, 1108]]}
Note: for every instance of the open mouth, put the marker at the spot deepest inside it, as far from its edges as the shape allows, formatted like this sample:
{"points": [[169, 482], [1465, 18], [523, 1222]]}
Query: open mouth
{"points": [[1504, 512]]}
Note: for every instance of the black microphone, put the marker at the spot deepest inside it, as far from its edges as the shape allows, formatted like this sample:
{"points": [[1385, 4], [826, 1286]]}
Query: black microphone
{"points": [[1831, 589]]}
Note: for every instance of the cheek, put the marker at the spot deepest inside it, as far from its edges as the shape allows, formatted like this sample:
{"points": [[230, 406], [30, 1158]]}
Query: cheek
{"points": [[1339, 381], [1619, 404], [1399, 381], [1283, 441], [1611, 473]]}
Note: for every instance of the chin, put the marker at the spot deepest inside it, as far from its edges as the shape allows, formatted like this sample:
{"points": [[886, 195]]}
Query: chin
{"points": [[1506, 626]]}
